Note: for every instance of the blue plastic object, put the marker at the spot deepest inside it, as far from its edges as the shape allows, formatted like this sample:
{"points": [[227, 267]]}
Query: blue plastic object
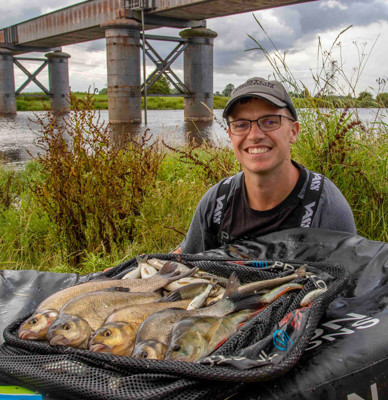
{"points": [[18, 393]]}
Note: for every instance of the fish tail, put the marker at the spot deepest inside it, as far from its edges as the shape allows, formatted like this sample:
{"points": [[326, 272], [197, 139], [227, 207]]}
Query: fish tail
{"points": [[232, 285], [301, 271], [253, 301]]}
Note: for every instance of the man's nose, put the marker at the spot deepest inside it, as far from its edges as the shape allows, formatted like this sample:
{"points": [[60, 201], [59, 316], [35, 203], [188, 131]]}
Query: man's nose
{"points": [[255, 131]]}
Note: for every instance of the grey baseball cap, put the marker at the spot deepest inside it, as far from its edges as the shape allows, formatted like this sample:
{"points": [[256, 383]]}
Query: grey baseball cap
{"points": [[272, 91]]}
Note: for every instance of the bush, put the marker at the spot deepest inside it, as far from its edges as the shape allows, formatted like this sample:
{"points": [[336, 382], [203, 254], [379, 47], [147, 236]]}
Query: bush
{"points": [[90, 188]]}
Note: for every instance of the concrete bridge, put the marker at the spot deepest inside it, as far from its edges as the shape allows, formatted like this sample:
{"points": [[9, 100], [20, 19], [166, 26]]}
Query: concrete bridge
{"points": [[123, 23]]}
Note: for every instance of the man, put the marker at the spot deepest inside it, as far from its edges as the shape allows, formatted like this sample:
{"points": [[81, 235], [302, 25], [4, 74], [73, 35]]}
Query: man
{"points": [[273, 192]]}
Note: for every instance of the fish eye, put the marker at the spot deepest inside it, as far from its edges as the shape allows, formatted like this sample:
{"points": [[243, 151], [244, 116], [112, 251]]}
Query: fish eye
{"points": [[66, 327], [34, 321], [107, 333], [143, 354], [176, 347]]}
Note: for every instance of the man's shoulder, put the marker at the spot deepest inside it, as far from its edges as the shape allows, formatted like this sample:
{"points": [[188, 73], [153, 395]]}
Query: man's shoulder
{"points": [[227, 185]]}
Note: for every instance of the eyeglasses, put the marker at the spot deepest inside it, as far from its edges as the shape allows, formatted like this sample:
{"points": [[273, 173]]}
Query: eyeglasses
{"points": [[266, 124]]}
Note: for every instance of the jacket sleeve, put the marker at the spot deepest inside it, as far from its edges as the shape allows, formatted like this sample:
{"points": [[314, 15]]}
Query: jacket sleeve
{"points": [[200, 236], [333, 211]]}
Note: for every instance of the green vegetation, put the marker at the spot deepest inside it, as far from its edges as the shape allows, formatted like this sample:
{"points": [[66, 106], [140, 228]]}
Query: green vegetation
{"points": [[365, 100], [87, 205], [100, 102]]}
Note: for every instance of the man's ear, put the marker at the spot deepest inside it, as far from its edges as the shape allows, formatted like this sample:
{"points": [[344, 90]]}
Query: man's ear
{"points": [[294, 132]]}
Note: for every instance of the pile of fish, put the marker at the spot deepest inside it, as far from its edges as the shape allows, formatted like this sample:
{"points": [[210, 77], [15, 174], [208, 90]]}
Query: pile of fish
{"points": [[159, 310]]}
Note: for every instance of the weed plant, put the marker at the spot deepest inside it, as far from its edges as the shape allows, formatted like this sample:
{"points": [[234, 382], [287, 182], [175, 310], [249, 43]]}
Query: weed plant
{"points": [[91, 189]]}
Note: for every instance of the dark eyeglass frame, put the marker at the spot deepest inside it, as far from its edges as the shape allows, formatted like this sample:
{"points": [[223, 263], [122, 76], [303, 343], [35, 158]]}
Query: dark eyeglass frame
{"points": [[263, 128]]}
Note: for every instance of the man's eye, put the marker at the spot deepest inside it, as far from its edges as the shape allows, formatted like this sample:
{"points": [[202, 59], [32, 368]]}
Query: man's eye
{"points": [[241, 124], [268, 122]]}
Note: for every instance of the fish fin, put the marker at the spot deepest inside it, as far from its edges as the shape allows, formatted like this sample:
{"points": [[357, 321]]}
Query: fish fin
{"points": [[186, 274], [142, 258], [116, 289], [168, 268], [301, 271], [232, 285], [173, 296]]}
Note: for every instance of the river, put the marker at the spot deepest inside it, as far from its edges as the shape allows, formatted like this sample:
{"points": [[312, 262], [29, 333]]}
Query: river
{"points": [[18, 133]]}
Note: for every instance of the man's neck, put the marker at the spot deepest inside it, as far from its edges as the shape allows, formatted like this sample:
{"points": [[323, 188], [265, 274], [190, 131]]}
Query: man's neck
{"points": [[266, 191]]}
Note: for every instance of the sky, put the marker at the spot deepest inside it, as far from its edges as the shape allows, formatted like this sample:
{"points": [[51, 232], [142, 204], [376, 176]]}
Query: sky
{"points": [[302, 34]]}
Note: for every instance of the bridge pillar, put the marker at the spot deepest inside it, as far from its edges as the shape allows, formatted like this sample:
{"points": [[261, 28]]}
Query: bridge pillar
{"points": [[7, 83], [58, 70], [198, 73], [123, 68]]}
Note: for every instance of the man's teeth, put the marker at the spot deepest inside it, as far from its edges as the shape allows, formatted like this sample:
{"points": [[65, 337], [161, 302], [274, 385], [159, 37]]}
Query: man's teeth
{"points": [[259, 150]]}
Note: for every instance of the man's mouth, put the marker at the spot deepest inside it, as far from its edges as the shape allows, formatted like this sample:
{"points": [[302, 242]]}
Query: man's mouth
{"points": [[258, 150]]}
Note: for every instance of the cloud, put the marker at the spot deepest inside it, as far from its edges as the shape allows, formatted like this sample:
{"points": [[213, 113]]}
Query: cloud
{"points": [[15, 11], [293, 29]]}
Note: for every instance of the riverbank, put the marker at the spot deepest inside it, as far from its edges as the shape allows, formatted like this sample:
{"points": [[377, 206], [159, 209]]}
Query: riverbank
{"points": [[41, 102], [94, 206]]}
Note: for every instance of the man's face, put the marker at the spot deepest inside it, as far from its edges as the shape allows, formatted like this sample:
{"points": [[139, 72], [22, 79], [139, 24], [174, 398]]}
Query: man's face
{"points": [[263, 152]]}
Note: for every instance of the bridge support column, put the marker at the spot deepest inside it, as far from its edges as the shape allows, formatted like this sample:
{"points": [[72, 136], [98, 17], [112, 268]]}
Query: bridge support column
{"points": [[198, 73], [58, 70], [123, 65], [7, 83]]}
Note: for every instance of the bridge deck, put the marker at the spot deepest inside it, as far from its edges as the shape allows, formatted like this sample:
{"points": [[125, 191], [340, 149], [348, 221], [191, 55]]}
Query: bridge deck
{"points": [[81, 22]]}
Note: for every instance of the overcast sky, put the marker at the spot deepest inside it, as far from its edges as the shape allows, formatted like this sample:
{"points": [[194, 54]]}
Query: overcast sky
{"points": [[295, 30]]}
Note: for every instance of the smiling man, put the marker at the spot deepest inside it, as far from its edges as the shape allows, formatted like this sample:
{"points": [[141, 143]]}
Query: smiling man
{"points": [[273, 192]]}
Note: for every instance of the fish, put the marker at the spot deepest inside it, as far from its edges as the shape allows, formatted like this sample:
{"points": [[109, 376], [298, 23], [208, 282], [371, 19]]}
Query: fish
{"points": [[199, 300], [197, 337], [311, 296], [84, 314], [185, 281], [192, 290], [156, 263], [35, 327], [275, 293], [134, 273], [272, 283], [117, 334], [146, 270], [214, 278], [154, 333]]}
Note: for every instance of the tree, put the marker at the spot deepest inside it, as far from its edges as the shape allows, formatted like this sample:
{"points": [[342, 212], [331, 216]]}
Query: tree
{"points": [[382, 99], [365, 99], [365, 96], [161, 86], [228, 90]]}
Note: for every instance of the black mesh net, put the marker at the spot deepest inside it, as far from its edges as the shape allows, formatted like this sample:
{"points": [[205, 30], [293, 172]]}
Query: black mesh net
{"points": [[265, 347]]}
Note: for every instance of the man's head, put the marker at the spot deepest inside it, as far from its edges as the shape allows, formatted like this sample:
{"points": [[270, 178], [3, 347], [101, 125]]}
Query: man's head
{"points": [[271, 91], [262, 126]]}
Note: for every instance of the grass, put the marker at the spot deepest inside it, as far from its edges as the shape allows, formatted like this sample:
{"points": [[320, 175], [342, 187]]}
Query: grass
{"points": [[41, 102]]}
